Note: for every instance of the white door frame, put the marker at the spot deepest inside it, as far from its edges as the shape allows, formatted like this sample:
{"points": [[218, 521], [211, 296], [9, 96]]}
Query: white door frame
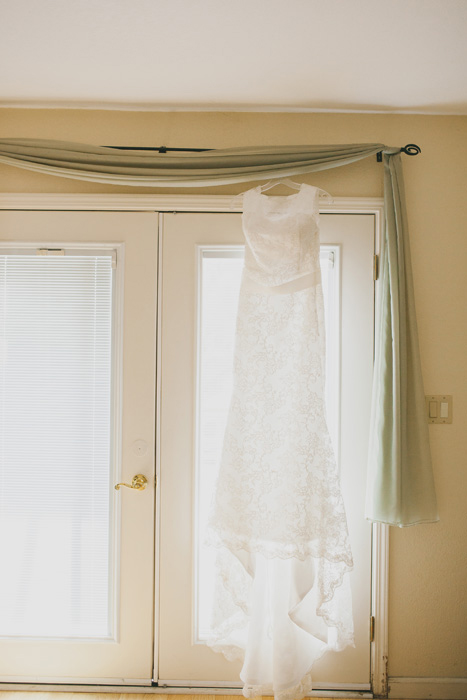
{"points": [[222, 203]]}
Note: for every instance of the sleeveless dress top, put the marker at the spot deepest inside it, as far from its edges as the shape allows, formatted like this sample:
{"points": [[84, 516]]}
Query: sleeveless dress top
{"points": [[278, 519]]}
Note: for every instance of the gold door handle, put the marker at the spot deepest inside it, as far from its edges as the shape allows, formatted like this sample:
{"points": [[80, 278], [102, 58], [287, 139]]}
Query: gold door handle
{"points": [[138, 482]]}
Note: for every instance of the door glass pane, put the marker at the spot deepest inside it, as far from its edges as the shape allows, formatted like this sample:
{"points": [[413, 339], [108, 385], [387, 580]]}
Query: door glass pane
{"points": [[55, 445], [219, 277]]}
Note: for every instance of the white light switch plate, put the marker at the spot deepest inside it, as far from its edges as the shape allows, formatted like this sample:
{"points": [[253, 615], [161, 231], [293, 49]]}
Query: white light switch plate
{"points": [[439, 408]]}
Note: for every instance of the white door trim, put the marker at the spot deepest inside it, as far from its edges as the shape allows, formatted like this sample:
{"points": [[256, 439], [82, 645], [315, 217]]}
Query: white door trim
{"points": [[170, 202], [223, 203]]}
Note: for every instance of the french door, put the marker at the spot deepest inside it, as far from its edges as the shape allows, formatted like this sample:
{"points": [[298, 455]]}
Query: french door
{"points": [[77, 557], [201, 262], [77, 416]]}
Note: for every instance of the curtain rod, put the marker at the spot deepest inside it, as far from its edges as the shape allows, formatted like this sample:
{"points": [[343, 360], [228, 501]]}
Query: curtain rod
{"points": [[411, 149], [160, 149]]}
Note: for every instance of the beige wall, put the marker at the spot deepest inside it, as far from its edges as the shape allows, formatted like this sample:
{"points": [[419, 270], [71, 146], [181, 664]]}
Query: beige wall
{"points": [[428, 607]]}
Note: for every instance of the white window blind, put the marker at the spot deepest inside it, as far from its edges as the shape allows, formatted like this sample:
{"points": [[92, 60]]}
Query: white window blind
{"points": [[55, 444]]}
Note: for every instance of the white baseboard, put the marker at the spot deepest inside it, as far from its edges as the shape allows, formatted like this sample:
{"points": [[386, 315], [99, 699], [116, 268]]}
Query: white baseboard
{"points": [[428, 688], [154, 690]]}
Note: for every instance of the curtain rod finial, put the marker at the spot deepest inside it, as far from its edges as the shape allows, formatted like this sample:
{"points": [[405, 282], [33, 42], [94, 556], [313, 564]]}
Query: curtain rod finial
{"points": [[411, 149]]}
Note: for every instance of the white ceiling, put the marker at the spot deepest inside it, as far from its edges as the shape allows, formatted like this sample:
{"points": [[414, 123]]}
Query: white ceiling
{"points": [[287, 55]]}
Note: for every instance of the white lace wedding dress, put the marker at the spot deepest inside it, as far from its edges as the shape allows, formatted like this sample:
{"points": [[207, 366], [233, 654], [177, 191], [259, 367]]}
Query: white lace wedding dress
{"points": [[278, 519]]}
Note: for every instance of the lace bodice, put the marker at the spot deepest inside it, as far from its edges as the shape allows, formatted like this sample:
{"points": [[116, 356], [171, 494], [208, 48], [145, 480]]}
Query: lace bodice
{"points": [[282, 235]]}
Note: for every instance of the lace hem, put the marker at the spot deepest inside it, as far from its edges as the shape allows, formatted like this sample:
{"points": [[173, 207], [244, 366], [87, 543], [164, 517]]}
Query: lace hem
{"points": [[296, 692], [236, 579], [276, 550], [326, 597], [231, 653]]}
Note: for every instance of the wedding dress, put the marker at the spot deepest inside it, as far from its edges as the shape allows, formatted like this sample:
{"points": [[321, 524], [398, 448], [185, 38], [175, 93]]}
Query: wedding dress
{"points": [[278, 519]]}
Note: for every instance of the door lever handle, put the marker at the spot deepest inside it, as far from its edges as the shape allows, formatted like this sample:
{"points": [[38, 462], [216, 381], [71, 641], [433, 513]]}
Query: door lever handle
{"points": [[138, 482]]}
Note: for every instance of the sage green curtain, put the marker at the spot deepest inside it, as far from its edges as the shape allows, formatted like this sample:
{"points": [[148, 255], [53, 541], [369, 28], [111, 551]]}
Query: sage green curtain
{"points": [[400, 479], [145, 169], [400, 488]]}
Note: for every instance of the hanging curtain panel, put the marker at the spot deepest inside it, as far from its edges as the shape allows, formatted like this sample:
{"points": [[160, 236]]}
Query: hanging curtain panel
{"points": [[400, 480]]}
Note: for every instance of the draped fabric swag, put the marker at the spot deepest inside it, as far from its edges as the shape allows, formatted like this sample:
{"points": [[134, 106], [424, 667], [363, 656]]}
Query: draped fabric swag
{"points": [[400, 480]]}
